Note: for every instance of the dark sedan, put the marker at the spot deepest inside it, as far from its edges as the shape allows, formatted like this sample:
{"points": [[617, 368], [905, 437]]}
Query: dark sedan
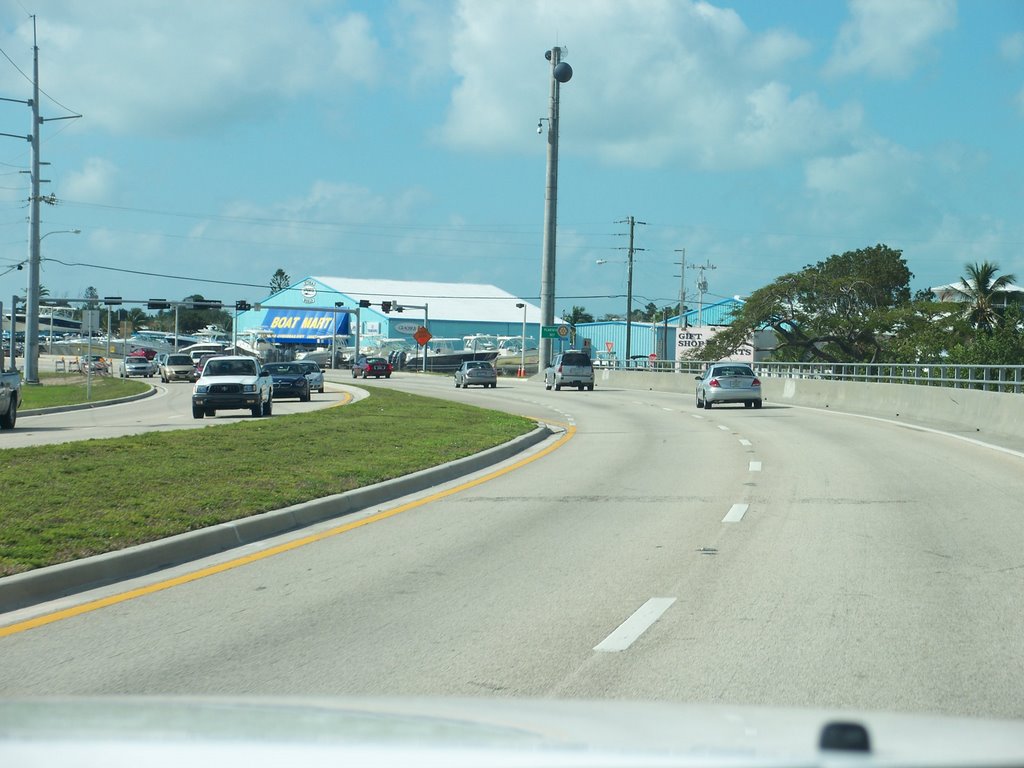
{"points": [[289, 380]]}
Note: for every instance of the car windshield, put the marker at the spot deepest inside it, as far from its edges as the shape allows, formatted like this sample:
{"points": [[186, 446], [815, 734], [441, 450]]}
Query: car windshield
{"points": [[179, 360], [761, 440], [229, 368]]}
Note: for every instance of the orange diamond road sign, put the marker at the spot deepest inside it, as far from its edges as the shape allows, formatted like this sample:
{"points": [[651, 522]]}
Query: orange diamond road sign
{"points": [[422, 336]]}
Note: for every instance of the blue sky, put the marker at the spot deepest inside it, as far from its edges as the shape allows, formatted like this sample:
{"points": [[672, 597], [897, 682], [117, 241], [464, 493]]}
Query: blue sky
{"points": [[397, 140]]}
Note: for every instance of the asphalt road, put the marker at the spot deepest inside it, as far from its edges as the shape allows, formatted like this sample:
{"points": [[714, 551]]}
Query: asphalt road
{"points": [[783, 557]]}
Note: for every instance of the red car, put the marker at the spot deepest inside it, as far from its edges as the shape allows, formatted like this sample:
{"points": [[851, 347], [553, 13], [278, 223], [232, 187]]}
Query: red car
{"points": [[371, 366]]}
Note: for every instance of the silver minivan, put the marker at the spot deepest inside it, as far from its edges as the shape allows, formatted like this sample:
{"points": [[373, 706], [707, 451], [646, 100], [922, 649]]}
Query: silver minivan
{"points": [[570, 369]]}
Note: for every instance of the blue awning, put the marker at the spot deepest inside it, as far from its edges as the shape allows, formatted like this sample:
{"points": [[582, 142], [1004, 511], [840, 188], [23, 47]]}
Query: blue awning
{"points": [[303, 325]]}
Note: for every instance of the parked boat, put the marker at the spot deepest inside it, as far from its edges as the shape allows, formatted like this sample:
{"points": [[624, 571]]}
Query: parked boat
{"points": [[510, 355], [446, 355]]}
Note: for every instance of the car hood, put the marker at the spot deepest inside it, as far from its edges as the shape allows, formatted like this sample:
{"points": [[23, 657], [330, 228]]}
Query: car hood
{"points": [[227, 380], [258, 732]]}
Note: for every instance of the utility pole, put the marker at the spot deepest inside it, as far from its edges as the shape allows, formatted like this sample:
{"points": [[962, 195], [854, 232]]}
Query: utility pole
{"points": [[682, 284], [32, 305], [32, 293], [702, 288], [629, 282]]}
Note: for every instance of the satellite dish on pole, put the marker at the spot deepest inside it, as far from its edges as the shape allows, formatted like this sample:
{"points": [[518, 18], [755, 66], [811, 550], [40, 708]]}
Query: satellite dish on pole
{"points": [[562, 72]]}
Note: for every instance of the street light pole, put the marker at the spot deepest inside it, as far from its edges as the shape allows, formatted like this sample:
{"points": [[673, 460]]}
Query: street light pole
{"points": [[560, 73], [32, 294]]}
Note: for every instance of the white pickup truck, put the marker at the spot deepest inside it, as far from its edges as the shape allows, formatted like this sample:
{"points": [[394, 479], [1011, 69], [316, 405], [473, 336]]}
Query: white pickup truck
{"points": [[10, 396], [231, 382]]}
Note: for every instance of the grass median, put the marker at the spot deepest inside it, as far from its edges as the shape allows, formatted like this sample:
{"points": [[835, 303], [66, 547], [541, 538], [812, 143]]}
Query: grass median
{"points": [[64, 502], [58, 389]]}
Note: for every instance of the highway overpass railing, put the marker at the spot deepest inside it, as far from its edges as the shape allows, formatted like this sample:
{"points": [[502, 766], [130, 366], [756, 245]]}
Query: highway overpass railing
{"points": [[986, 378]]}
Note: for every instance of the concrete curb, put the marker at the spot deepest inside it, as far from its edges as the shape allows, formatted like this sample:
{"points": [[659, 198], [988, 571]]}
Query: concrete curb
{"points": [[43, 584], [83, 406]]}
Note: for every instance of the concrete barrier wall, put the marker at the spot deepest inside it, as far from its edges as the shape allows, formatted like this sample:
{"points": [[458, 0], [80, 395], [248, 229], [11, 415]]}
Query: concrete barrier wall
{"points": [[963, 410]]}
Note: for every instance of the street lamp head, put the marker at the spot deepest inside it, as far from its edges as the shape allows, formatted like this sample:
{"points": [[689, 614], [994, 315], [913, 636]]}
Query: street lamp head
{"points": [[601, 261], [520, 305]]}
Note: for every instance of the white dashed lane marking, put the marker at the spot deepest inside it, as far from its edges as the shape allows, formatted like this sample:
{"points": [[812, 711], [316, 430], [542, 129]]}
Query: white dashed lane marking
{"points": [[736, 513], [641, 620]]}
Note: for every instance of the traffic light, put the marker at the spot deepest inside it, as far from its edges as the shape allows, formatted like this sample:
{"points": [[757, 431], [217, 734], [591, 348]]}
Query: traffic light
{"points": [[385, 306], [398, 308], [158, 304], [242, 306], [364, 303]]}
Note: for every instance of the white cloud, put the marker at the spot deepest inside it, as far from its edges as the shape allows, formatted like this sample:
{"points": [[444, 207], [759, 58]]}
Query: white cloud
{"points": [[654, 83], [358, 52], [94, 183], [191, 66], [876, 183], [886, 38], [1012, 47]]}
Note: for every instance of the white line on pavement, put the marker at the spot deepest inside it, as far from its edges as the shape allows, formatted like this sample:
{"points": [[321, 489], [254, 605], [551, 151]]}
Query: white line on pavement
{"points": [[755, 466], [629, 630], [736, 513], [745, 442], [723, 427]]}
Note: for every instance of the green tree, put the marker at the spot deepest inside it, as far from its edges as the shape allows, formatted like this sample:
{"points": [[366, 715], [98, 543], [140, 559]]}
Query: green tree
{"points": [[138, 317], [279, 281], [1002, 345], [578, 315], [981, 290], [192, 320], [838, 310]]}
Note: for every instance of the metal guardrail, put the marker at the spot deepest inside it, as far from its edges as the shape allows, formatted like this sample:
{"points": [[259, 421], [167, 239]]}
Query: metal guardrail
{"points": [[988, 378]]}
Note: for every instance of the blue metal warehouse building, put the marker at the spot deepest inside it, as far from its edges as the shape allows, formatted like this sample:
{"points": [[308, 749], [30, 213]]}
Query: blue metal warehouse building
{"points": [[608, 338], [303, 313]]}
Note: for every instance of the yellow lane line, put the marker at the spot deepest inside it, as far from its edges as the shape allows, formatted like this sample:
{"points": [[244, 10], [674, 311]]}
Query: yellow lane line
{"points": [[104, 602]]}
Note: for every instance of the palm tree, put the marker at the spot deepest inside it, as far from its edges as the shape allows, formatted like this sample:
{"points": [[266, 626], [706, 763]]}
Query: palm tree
{"points": [[981, 289]]}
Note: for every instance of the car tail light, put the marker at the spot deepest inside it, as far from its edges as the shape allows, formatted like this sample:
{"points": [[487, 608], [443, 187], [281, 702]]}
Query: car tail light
{"points": [[755, 383], [559, 369], [714, 383]]}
